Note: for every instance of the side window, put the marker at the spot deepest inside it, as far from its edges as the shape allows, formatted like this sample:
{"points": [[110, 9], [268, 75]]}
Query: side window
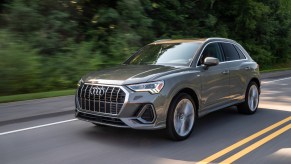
{"points": [[211, 50], [241, 55], [230, 52]]}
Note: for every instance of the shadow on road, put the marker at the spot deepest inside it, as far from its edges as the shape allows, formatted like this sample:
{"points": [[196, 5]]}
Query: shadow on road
{"points": [[274, 94]]}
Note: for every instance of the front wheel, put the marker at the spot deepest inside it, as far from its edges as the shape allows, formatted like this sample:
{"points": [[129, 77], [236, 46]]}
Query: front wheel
{"points": [[181, 117], [251, 103]]}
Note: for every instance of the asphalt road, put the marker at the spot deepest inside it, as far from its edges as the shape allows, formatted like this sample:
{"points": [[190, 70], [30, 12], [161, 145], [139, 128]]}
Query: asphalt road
{"points": [[223, 136]]}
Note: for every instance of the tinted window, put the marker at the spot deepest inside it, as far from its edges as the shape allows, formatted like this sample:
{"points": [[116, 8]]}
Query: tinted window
{"points": [[230, 52], [165, 54], [211, 50], [241, 55]]}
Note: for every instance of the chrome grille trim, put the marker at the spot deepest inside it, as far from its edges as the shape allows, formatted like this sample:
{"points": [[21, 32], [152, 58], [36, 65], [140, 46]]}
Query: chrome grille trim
{"points": [[117, 100], [106, 105], [80, 94], [98, 103], [85, 97], [94, 101], [105, 101], [89, 97], [111, 101]]}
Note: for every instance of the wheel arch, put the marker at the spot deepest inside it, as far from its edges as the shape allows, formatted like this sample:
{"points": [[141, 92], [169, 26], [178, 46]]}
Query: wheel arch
{"points": [[257, 81], [191, 93]]}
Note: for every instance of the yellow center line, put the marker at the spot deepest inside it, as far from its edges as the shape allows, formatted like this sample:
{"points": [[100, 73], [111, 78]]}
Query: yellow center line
{"points": [[242, 142], [256, 145]]}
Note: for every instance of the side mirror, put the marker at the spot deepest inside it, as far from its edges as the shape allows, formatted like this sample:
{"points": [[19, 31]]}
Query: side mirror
{"points": [[210, 61]]}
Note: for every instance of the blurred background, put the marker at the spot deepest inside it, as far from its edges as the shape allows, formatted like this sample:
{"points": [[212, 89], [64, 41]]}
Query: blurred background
{"points": [[48, 45]]}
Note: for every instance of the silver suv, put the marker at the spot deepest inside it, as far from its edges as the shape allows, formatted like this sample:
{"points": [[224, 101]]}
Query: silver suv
{"points": [[169, 84]]}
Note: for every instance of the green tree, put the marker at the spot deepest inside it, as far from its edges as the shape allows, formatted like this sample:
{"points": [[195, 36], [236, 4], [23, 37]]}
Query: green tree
{"points": [[19, 65], [46, 25], [117, 27], [256, 24], [63, 70]]}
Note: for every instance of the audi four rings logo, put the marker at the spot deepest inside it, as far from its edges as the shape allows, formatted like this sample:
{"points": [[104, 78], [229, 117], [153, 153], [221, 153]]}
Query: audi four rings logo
{"points": [[97, 91]]}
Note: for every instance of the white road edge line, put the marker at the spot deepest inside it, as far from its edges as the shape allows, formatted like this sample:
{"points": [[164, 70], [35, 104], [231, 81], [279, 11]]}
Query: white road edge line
{"points": [[35, 127], [266, 82]]}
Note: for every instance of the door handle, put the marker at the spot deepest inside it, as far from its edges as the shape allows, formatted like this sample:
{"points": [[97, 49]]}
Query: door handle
{"points": [[225, 72]]}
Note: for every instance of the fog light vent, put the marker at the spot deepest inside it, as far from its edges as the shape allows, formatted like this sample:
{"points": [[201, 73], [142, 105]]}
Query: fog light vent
{"points": [[147, 114]]}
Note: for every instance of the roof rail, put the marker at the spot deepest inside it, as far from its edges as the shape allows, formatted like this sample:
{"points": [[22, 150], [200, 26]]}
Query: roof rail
{"points": [[162, 40], [211, 38]]}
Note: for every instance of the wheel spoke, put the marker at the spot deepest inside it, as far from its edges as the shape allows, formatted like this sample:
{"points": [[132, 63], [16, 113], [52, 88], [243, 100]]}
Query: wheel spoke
{"points": [[177, 124], [184, 117], [253, 98], [254, 92], [254, 104], [188, 110], [182, 128]]}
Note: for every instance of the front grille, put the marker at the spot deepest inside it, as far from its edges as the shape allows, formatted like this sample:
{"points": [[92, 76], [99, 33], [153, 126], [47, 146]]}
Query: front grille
{"points": [[100, 99]]}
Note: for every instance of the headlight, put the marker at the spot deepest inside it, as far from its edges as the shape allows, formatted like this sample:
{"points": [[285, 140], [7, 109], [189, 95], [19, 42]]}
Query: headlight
{"points": [[152, 87], [80, 82]]}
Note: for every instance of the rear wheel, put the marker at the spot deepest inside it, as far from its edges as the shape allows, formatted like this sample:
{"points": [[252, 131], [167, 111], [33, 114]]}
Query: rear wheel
{"points": [[181, 117], [250, 105]]}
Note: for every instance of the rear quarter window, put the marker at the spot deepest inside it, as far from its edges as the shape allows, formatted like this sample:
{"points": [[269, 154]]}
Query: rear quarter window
{"points": [[230, 52], [241, 55]]}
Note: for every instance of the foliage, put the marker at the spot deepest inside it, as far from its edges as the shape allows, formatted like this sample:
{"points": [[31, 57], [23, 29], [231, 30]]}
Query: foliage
{"points": [[19, 65], [46, 25], [65, 69], [47, 45]]}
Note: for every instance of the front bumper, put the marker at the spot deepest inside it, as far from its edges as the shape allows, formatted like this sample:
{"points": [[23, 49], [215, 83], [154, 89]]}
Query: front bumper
{"points": [[136, 112]]}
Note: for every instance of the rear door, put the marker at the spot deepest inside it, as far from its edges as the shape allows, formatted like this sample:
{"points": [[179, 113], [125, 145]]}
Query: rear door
{"points": [[238, 70]]}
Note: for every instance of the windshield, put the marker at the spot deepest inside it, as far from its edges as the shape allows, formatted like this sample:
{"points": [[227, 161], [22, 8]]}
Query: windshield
{"points": [[165, 54]]}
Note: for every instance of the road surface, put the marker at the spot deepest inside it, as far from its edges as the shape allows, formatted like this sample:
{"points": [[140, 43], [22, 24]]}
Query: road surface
{"points": [[224, 136]]}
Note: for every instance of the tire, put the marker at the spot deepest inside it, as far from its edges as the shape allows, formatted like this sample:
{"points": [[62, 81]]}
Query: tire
{"points": [[252, 97], [181, 117]]}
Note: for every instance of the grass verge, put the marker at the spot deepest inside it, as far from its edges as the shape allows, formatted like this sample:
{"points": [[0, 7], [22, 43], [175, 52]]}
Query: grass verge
{"points": [[30, 96], [278, 67], [274, 70]]}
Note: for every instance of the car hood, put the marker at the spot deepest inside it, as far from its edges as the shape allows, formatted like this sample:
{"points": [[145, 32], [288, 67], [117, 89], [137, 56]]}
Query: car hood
{"points": [[130, 74]]}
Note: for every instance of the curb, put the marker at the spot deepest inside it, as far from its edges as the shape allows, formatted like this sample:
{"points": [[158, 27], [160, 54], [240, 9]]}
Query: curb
{"points": [[24, 111], [36, 117]]}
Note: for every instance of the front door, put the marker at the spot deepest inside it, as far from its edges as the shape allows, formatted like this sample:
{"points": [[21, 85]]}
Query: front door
{"points": [[215, 79]]}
